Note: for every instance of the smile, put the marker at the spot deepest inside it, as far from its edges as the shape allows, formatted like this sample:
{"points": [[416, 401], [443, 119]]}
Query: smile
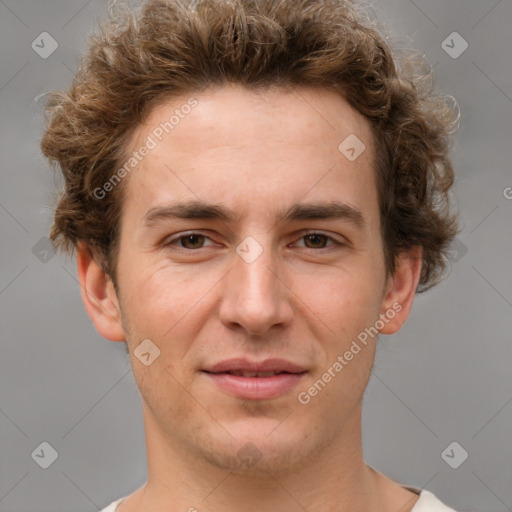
{"points": [[255, 385]]}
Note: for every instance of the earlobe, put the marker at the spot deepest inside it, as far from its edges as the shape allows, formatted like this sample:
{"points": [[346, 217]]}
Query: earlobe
{"points": [[98, 296], [401, 289]]}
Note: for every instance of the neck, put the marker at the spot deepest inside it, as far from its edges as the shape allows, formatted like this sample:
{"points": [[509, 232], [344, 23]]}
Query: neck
{"points": [[335, 478]]}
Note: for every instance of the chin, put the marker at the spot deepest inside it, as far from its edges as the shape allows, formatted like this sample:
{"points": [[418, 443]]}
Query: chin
{"points": [[262, 446]]}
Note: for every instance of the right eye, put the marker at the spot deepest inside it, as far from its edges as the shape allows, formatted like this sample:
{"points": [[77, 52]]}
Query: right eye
{"points": [[188, 241]]}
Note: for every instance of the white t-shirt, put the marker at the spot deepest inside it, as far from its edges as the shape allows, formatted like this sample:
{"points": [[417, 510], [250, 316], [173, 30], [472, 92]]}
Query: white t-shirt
{"points": [[427, 502]]}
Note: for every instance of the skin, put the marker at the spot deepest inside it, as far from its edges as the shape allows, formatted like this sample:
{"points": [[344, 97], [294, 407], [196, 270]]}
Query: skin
{"points": [[302, 299]]}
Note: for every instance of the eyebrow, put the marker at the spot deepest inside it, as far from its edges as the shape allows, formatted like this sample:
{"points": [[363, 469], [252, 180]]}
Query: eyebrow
{"points": [[209, 211]]}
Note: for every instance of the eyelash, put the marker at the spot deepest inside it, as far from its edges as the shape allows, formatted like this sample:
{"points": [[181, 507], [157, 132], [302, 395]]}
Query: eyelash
{"points": [[335, 242]]}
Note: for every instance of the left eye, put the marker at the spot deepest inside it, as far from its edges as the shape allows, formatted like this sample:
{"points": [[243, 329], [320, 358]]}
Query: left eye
{"points": [[317, 239]]}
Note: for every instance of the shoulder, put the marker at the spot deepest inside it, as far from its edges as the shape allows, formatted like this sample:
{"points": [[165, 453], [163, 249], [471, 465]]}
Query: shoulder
{"points": [[112, 507], [430, 503], [426, 503]]}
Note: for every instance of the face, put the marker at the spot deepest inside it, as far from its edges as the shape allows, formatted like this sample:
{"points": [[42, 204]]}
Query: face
{"points": [[249, 235]]}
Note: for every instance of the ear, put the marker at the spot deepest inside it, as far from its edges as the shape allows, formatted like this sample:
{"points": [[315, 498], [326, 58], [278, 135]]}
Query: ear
{"points": [[98, 296], [400, 290]]}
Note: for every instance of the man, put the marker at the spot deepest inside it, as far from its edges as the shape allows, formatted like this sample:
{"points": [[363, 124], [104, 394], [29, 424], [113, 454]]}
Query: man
{"points": [[255, 192]]}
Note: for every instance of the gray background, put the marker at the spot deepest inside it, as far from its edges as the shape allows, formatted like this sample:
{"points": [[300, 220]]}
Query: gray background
{"points": [[445, 377]]}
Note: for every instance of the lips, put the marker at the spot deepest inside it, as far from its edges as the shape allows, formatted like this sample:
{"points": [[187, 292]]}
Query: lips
{"points": [[272, 366], [251, 380], [243, 373]]}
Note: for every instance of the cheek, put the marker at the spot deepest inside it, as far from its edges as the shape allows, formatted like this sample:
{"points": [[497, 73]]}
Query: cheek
{"points": [[159, 296], [167, 308], [163, 393], [345, 302]]}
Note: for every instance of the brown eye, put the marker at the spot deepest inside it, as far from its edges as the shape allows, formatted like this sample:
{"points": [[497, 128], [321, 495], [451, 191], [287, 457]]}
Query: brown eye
{"points": [[194, 241], [316, 240], [191, 244]]}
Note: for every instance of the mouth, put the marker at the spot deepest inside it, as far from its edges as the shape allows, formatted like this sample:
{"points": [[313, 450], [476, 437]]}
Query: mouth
{"points": [[251, 380], [244, 373]]}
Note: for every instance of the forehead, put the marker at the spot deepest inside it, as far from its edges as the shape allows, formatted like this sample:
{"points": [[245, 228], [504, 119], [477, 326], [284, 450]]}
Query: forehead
{"points": [[244, 147], [302, 114]]}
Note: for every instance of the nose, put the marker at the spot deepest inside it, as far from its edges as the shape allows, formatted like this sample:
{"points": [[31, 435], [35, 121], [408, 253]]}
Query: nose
{"points": [[256, 297]]}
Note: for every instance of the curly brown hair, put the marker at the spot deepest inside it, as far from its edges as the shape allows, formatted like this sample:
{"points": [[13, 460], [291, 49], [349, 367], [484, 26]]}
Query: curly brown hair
{"points": [[168, 48]]}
